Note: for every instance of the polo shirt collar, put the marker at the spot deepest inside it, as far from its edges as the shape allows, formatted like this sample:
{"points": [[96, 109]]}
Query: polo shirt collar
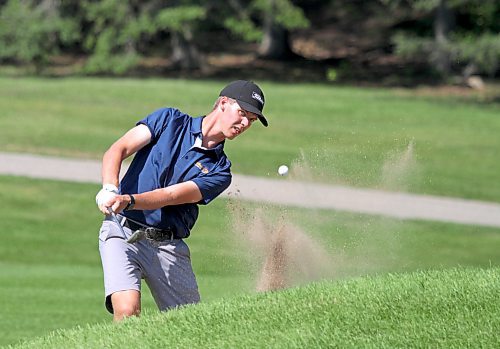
{"points": [[196, 132], [196, 125]]}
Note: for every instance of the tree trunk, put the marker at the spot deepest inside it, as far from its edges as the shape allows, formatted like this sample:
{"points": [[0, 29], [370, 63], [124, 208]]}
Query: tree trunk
{"points": [[442, 26], [185, 53], [275, 43]]}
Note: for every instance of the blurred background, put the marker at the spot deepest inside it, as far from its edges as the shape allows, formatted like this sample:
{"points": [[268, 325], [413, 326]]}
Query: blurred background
{"points": [[390, 42]]}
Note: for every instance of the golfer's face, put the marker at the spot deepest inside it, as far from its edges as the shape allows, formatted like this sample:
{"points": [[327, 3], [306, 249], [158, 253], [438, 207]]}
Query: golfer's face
{"points": [[239, 120]]}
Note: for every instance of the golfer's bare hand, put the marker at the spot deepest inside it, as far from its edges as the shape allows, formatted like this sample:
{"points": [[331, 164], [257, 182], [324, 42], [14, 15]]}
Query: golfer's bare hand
{"points": [[117, 203]]}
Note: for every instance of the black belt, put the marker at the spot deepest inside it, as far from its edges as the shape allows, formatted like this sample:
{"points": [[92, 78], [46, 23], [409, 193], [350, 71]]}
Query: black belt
{"points": [[150, 233]]}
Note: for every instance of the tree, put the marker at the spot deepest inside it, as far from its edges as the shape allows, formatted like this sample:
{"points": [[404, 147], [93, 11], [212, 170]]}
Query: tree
{"points": [[280, 16], [115, 29], [443, 19], [32, 31], [275, 19], [118, 27], [464, 35], [180, 19]]}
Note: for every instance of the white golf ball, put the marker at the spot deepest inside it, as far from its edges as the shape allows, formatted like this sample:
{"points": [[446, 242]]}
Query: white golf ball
{"points": [[283, 170]]}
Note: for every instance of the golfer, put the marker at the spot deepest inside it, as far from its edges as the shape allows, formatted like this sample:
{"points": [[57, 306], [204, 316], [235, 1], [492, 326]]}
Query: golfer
{"points": [[179, 164]]}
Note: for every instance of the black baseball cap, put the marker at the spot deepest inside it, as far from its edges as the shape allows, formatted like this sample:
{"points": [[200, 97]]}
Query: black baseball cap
{"points": [[248, 95]]}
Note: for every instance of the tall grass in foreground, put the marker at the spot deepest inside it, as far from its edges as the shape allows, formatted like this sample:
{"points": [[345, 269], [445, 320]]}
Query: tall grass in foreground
{"points": [[457, 308]]}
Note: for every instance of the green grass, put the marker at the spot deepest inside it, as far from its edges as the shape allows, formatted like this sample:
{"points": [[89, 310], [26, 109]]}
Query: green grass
{"points": [[457, 308], [51, 278], [346, 135], [50, 273]]}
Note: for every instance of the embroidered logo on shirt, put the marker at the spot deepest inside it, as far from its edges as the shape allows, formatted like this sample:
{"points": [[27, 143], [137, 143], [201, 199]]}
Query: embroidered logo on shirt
{"points": [[201, 167]]}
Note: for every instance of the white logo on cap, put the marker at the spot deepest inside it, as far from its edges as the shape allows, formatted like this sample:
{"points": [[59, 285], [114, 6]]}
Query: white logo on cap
{"points": [[256, 96]]}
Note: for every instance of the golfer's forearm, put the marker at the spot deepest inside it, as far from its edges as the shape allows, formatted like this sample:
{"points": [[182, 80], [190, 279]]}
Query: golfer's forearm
{"points": [[177, 194], [111, 165]]}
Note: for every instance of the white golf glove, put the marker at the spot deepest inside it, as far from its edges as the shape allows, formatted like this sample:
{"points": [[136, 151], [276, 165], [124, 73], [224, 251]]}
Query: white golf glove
{"points": [[107, 192]]}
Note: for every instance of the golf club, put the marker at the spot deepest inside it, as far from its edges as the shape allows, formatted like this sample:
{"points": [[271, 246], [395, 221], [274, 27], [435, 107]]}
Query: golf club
{"points": [[115, 219], [137, 235]]}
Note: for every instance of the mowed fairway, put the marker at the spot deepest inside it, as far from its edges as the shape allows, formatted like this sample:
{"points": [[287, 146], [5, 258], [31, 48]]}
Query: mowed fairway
{"points": [[51, 278], [50, 273], [341, 135]]}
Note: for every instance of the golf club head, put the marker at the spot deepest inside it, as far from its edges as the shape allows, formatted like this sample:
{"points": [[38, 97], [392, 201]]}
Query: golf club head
{"points": [[136, 236]]}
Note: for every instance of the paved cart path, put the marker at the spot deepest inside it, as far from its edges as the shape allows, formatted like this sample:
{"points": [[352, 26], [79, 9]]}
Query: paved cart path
{"points": [[285, 192]]}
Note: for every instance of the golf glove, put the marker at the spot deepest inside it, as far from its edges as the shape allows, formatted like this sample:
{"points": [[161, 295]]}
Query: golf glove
{"points": [[107, 192]]}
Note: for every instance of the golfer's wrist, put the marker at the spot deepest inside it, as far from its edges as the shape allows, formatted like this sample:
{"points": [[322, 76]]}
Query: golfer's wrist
{"points": [[131, 202], [110, 187]]}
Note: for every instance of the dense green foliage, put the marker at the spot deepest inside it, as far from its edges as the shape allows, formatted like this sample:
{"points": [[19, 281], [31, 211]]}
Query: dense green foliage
{"points": [[483, 52], [464, 33], [458, 308], [31, 34], [115, 35]]}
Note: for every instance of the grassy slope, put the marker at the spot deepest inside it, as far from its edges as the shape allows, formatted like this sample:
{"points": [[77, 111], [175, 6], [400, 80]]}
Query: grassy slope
{"points": [[345, 134], [51, 278], [457, 308]]}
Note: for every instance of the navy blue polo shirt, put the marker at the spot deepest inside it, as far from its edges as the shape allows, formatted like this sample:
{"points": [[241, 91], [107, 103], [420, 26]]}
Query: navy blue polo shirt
{"points": [[173, 156]]}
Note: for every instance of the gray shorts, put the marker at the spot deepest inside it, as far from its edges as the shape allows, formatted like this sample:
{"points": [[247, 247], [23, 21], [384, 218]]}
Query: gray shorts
{"points": [[165, 266]]}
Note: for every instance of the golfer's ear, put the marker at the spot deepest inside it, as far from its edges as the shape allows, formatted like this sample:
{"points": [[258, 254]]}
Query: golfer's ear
{"points": [[223, 102]]}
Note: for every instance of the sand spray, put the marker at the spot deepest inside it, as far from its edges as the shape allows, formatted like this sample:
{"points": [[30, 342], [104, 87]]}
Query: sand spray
{"points": [[399, 168], [281, 253]]}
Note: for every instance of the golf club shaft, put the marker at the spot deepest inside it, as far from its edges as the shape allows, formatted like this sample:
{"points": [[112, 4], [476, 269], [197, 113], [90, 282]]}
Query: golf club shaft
{"points": [[113, 215]]}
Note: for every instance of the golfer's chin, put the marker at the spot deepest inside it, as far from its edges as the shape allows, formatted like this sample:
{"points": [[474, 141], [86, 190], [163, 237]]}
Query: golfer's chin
{"points": [[232, 134]]}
